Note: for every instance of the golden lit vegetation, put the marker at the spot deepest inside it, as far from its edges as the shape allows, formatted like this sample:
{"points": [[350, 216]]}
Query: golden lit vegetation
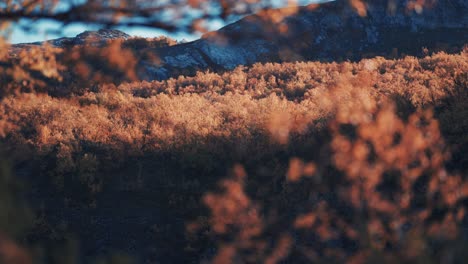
{"points": [[165, 115], [331, 161], [327, 162]]}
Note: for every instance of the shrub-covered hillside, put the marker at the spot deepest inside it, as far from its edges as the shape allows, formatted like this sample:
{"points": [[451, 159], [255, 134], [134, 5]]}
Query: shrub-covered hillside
{"points": [[244, 105], [298, 162]]}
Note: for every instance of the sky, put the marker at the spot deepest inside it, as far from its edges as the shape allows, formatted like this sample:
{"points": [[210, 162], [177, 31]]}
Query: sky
{"points": [[49, 29]]}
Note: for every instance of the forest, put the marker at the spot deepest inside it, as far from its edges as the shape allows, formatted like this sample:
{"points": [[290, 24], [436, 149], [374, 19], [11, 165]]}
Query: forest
{"points": [[297, 161]]}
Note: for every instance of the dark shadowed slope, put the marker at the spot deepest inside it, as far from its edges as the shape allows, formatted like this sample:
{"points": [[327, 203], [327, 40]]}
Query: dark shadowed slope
{"points": [[329, 31], [325, 32]]}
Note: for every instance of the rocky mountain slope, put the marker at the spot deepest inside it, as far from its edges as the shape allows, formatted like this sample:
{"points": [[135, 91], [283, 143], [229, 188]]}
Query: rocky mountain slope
{"points": [[329, 31], [94, 38], [325, 32]]}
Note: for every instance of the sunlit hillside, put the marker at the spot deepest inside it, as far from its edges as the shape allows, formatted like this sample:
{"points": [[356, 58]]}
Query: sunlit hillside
{"points": [[308, 131], [294, 162]]}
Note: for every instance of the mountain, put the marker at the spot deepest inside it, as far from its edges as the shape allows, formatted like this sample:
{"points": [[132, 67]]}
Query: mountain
{"points": [[327, 32], [94, 38]]}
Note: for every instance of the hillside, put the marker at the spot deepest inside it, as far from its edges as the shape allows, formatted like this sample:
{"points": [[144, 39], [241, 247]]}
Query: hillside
{"points": [[331, 31], [325, 32], [331, 133], [130, 167]]}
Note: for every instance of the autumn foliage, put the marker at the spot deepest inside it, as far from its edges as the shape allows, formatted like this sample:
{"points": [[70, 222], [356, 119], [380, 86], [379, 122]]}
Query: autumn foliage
{"points": [[293, 162], [344, 162]]}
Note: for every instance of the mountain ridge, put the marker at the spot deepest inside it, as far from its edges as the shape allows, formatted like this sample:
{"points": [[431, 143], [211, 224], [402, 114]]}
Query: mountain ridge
{"points": [[326, 32]]}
